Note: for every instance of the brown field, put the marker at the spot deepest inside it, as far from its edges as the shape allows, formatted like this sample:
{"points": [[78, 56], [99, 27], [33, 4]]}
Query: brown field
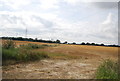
{"points": [[65, 62]]}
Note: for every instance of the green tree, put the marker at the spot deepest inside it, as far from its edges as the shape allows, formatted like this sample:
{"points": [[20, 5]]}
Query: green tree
{"points": [[73, 43], [65, 42], [57, 41]]}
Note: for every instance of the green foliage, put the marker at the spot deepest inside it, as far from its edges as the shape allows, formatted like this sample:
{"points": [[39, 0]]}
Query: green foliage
{"points": [[58, 41], [34, 46], [7, 44], [65, 42], [21, 54], [29, 55], [8, 54], [107, 70]]}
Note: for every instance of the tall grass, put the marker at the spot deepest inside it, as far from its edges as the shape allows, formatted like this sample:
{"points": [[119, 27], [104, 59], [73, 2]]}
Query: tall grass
{"points": [[107, 70], [10, 53], [35, 46], [31, 46], [7, 44], [22, 55]]}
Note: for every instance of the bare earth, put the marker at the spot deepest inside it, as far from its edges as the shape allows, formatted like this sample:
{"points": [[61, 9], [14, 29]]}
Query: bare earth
{"points": [[82, 65]]}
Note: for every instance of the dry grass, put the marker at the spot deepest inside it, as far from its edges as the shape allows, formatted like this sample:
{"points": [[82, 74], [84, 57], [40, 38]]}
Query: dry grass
{"points": [[76, 51], [72, 54]]}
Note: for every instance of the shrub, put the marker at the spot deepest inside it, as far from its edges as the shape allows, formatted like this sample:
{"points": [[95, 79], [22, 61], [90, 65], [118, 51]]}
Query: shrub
{"points": [[107, 70], [21, 55], [24, 53], [8, 54], [7, 44]]}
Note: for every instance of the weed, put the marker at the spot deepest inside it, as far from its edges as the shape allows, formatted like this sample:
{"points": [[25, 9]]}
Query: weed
{"points": [[107, 70], [33, 46], [7, 44], [10, 54]]}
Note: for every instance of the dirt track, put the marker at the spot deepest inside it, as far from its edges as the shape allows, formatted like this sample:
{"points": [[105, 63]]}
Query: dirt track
{"points": [[82, 66]]}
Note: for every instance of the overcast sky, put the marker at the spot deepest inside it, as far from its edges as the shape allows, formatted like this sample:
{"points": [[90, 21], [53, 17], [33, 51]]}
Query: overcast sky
{"points": [[68, 20]]}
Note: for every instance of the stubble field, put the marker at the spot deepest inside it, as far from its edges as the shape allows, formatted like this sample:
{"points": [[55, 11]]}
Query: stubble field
{"points": [[65, 62]]}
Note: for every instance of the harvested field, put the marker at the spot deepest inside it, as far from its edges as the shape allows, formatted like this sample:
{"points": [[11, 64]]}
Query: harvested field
{"points": [[65, 62]]}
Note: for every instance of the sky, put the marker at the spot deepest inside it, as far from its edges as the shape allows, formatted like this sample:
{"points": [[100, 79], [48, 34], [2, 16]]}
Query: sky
{"points": [[67, 20]]}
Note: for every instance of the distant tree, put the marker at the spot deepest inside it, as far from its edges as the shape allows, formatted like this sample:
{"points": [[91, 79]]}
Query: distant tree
{"points": [[30, 39], [82, 43], [73, 43], [92, 43], [102, 45], [65, 42], [87, 43], [57, 41], [20, 38], [97, 44], [36, 39]]}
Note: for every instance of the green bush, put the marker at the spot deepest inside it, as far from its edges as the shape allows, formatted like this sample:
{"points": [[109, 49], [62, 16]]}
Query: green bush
{"points": [[7, 44], [24, 53], [107, 70], [21, 55], [8, 54]]}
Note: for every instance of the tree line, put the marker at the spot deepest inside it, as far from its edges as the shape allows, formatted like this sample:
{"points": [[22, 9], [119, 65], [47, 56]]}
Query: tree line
{"points": [[56, 41]]}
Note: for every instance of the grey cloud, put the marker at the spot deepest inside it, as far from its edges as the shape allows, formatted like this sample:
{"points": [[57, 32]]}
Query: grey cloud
{"points": [[103, 36], [110, 34], [46, 23], [107, 35], [22, 31], [105, 5], [14, 30], [12, 19]]}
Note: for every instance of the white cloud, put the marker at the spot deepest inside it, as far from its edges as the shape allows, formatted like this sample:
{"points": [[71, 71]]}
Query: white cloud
{"points": [[100, 0], [38, 26], [108, 20], [52, 24], [75, 2], [15, 4], [72, 2], [47, 4], [34, 22], [21, 4], [108, 28]]}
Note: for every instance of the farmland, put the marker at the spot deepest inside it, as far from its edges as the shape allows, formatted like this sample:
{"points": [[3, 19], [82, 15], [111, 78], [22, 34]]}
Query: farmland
{"points": [[65, 62]]}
